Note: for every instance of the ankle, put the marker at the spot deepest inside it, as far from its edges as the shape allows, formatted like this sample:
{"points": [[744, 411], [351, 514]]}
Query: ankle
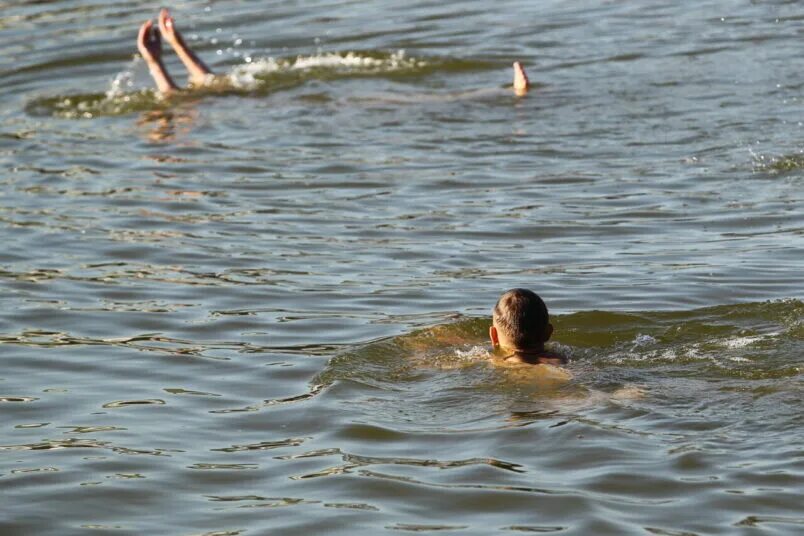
{"points": [[200, 80]]}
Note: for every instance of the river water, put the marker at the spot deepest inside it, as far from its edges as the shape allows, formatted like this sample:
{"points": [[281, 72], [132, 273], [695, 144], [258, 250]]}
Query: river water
{"points": [[263, 309]]}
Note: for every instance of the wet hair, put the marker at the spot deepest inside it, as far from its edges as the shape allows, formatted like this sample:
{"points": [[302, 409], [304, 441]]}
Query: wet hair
{"points": [[522, 317]]}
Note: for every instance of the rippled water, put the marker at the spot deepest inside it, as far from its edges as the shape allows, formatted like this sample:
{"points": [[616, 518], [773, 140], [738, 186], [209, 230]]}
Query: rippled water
{"points": [[263, 307]]}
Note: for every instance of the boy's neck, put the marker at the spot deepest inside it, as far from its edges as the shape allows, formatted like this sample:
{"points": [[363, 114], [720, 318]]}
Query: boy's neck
{"points": [[536, 355], [524, 355]]}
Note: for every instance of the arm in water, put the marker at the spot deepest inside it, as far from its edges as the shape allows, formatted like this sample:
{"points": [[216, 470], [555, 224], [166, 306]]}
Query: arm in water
{"points": [[150, 47]]}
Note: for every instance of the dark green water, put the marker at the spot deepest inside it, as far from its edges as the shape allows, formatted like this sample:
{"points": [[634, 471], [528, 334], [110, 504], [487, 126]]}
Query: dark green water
{"points": [[263, 308]]}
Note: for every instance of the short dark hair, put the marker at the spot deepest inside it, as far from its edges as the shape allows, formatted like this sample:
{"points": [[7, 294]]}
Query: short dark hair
{"points": [[522, 316]]}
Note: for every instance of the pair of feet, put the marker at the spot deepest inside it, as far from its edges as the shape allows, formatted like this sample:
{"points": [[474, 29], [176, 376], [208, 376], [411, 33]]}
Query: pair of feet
{"points": [[149, 44]]}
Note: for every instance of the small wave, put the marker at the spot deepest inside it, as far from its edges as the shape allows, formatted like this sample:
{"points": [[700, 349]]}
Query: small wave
{"points": [[754, 341], [18, 399], [643, 340], [254, 74], [125, 403], [777, 164], [254, 77], [730, 354], [742, 342], [92, 105]]}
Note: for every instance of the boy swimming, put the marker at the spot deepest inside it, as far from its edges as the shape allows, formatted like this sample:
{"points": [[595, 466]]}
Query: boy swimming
{"points": [[149, 44], [520, 327]]}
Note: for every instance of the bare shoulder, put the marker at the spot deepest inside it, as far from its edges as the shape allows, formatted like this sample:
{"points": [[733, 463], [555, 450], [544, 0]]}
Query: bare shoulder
{"points": [[553, 358], [535, 372]]}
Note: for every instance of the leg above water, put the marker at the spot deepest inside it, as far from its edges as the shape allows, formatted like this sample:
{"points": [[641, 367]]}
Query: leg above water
{"points": [[149, 45], [199, 72], [521, 82]]}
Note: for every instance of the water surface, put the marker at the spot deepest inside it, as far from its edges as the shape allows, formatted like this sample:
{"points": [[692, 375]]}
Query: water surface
{"points": [[265, 308]]}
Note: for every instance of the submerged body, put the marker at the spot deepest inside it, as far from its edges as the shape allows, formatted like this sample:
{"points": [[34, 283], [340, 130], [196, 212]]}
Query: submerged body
{"points": [[149, 45]]}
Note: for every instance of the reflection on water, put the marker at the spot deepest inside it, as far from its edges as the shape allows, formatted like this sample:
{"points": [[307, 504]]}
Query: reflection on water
{"points": [[263, 307], [167, 125]]}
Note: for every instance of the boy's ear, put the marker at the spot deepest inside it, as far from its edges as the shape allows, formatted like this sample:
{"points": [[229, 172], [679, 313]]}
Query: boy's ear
{"points": [[548, 332], [495, 339]]}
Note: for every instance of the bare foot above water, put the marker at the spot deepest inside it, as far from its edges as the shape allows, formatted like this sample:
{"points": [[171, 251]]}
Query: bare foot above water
{"points": [[149, 45], [198, 71]]}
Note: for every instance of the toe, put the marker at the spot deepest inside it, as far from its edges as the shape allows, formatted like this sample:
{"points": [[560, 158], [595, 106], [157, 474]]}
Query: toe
{"points": [[165, 20], [145, 29], [143, 37]]}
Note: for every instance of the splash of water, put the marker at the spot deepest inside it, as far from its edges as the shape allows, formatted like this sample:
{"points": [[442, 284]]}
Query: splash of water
{"points": [[777, 164], [253, 73], [123, 82], [267, 74]]}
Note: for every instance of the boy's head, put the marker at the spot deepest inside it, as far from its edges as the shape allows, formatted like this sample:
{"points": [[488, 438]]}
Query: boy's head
{"points": [[520, 321]]}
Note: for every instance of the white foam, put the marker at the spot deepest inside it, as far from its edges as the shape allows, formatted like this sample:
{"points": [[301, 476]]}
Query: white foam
{"points": [[123, 82], [643, 340], [476, 353], [247, 75], [736, 359], [741, 342]]}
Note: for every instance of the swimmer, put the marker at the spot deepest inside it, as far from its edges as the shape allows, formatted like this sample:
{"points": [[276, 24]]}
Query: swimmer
{"points": [[520, 327], [149, 44]]}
